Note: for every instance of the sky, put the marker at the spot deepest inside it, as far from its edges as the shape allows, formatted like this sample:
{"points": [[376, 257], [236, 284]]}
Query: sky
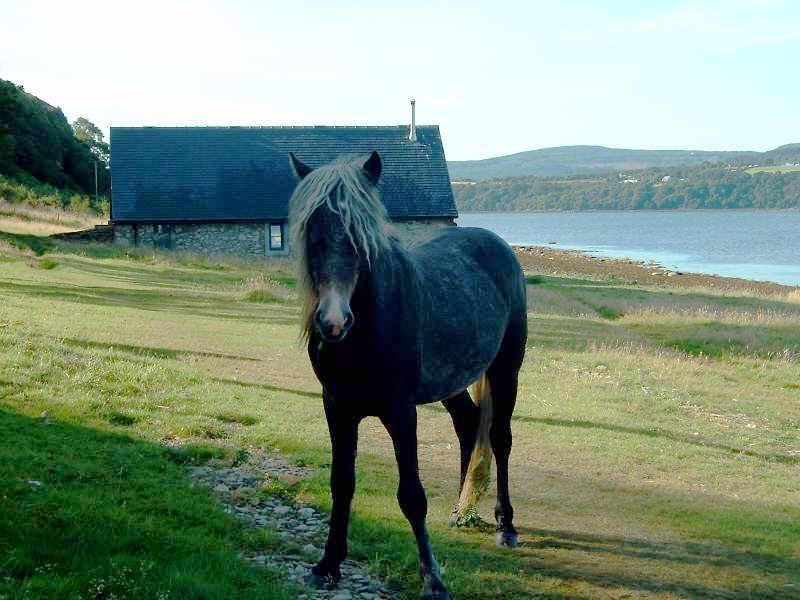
{"points": [[498, 77]]}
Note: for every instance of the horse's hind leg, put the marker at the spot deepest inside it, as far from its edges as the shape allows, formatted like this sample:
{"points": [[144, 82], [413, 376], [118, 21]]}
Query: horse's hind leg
{"points": [[504, 395], [465, 417]]}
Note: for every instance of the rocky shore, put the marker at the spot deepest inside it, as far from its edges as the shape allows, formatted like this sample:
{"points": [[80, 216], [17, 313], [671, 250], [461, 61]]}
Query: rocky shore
{"points": [[551, 261]]}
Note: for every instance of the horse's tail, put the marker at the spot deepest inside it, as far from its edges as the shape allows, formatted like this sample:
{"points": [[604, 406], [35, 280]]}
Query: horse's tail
{"points": [[479, 471]]}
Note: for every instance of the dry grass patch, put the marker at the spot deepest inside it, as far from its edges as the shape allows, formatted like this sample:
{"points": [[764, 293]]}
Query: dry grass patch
{"points": [[266, 288], [757, 316], [42, 221]]}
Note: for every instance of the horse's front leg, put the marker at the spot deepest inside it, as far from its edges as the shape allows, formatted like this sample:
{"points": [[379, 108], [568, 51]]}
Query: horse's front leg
{"points": [[402, 427], [344, 439]]}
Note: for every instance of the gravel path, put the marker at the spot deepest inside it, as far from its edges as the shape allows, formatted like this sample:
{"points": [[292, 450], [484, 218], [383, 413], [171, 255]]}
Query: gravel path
{"points": [[303, 528]]}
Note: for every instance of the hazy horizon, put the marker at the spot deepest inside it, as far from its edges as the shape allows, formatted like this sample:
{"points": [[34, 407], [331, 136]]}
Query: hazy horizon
{"points": [[498, 80]]}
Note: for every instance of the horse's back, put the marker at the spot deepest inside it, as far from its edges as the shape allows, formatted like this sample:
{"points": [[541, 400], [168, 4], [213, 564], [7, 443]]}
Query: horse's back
{"points": [[482, 253], [472, 294]]}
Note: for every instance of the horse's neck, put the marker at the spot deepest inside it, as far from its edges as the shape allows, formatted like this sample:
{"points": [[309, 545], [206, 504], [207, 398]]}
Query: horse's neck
{"points": [[390, 287]]}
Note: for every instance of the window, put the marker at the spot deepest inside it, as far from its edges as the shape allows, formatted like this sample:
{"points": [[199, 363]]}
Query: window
{"points": [[276, 236], [164, 237]]}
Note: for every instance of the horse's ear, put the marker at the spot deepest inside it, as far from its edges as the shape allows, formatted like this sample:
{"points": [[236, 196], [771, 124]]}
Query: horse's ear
{"points": [[373, 167], [300, 169]]}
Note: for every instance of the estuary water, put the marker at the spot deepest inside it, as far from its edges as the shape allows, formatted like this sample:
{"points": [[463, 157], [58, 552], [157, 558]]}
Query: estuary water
{"points": [[760, 245]]}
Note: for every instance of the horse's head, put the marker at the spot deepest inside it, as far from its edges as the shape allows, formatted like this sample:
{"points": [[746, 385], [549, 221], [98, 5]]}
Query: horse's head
{"points": [[334, 213]]}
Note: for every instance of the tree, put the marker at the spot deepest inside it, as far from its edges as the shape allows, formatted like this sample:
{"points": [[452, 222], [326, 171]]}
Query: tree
{"points": [[88, 133]]}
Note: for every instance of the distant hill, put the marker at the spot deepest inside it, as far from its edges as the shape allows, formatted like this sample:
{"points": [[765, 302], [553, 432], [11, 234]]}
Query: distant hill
{"points": [[586, 160], [772, 182]]}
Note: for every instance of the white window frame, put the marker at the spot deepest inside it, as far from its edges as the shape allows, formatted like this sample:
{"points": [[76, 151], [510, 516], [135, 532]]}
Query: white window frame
{"points": [[270, 247]]}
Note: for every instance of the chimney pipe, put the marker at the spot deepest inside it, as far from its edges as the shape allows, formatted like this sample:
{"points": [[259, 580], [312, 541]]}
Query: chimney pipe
{"points": [[412, 134]]}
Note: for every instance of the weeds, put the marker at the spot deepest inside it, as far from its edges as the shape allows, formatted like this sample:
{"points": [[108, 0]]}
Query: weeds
{"points": [[266, 289], [119, 418]]}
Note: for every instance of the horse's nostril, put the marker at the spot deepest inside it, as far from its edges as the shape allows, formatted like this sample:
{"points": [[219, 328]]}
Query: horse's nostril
{"points": [[348, 320]]}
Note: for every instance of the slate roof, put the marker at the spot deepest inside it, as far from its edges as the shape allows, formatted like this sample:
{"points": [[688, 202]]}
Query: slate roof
{"points": [[242, 173]]}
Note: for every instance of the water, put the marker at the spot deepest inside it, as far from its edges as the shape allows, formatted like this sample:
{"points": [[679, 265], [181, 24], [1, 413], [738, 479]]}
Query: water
{"points": [[760, 245]]}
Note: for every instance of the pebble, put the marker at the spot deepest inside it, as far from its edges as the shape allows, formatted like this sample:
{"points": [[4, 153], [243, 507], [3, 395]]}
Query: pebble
{"points": [[302, 527]]}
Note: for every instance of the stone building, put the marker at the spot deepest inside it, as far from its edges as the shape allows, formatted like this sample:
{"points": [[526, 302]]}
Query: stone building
{"points": [[225, 190]]}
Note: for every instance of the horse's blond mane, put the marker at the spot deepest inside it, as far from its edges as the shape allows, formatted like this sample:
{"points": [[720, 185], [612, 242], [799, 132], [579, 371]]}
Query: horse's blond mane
{"points": [[345, 189]]}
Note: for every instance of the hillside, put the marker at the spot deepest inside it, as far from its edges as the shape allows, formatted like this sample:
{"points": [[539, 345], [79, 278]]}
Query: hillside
{"points": [[584, 160], [38, 145], [703, 186]]}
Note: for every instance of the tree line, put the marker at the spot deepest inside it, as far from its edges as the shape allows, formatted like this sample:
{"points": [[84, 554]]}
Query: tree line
{"points": [[42, 155], [703, 186]]}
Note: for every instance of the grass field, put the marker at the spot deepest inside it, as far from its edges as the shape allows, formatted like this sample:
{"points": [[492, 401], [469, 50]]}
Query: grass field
{"points": [[19, 218], [657, 435], [774, 169]]}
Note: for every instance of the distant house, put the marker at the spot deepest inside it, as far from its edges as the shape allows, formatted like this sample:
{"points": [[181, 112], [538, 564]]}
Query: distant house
{"points": [[226, 189]]}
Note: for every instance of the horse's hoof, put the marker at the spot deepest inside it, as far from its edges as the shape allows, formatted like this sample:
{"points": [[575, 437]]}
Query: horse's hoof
{"points": [[506, 539], [320, 582], [433, 589]]}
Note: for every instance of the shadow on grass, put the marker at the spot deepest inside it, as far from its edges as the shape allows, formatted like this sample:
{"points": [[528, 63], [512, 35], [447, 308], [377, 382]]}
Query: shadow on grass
{"points": [[151, 351], [264, 386], [195, 305], [37, 243], [577, 333], [655, 432], [557, 564], [81, 508], [690, 553], [698, 555], [153, 276]]}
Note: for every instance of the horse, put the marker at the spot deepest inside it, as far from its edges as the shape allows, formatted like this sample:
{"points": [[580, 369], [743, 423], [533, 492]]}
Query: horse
{"points": [[390, 326]]}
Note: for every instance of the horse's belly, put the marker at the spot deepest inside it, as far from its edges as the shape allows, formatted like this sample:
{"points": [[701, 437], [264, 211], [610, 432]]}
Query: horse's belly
{"points": [[455, 357]]}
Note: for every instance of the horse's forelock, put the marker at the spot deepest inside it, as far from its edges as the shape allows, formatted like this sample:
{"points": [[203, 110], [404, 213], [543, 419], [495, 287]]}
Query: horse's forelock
{"points": [[344, 188]]}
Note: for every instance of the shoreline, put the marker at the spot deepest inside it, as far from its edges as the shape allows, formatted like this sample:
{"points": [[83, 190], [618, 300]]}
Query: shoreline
{"points": [[557, 262], [791, 209]]}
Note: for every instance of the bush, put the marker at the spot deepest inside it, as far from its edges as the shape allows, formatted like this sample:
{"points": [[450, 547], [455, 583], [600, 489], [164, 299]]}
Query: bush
{"points": [[78, 203], [26, 190]]}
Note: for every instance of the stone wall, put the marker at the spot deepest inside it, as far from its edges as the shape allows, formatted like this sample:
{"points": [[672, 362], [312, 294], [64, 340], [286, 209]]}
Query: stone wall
{"points": [[123, 235], [244, 239]]}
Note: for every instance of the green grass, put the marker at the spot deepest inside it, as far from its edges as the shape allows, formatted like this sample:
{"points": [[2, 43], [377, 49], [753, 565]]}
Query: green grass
{"points": [[775, 169], [656, 447], [85, 510], [264, 296]]}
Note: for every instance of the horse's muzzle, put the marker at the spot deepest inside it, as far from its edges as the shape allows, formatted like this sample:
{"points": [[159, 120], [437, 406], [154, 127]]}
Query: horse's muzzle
{"points": [[333, 330]]}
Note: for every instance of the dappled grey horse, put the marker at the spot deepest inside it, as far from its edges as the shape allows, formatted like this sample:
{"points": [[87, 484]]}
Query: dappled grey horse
{"points": [[389, 328]]}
